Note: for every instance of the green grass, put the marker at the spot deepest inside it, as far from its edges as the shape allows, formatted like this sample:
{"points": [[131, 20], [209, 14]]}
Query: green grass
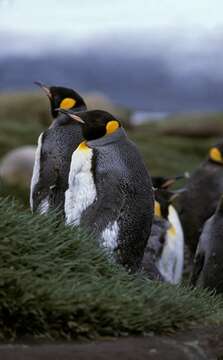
{"points": [[15, 192], [194, 121], [24, 115], [169, 155], [56, 283], [22, 118]]}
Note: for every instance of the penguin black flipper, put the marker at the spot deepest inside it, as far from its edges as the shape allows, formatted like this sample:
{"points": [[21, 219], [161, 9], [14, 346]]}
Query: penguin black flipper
{"points": [[197, 268], [210, 252]]}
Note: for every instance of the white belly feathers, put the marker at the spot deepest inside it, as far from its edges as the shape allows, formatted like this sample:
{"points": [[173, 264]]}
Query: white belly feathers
{"points": [[81, 191], [171, 261], [36, 169]]}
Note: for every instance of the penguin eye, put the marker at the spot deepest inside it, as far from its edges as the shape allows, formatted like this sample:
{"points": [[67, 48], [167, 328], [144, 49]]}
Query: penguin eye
{"points": [[67, 103]]}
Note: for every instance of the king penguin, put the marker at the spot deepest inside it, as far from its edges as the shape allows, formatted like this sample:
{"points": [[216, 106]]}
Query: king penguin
{"points": [[208, 262], [55, 147], [110, 191], [199, 200], [165, 247]]}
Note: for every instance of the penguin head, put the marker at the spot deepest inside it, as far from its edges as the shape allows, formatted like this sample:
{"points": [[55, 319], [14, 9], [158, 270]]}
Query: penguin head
{"points": [[216, 153], [95, 123], [162, 202], [160, 182], [164, 198], [62, 98]]}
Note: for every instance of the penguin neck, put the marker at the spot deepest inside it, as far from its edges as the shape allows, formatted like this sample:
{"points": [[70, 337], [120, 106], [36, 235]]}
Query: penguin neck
{"points": [[56, 115], [214, 162], [108, 139], [219, 209], [63, 120]]}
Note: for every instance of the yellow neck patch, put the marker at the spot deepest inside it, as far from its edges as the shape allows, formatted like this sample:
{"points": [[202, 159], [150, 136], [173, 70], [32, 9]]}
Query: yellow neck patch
{"points": [[171, 231], [112, 126], [67, 103], [83, 146], [215, 155], [157, 209]]}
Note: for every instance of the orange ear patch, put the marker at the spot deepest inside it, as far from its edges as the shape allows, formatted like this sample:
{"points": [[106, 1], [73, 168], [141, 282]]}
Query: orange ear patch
{"points": [[67, 103], [112, 126], [215, 155]]}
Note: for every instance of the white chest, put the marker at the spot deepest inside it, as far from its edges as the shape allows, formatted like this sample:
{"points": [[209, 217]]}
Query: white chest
{"points": [[36, 170], [171, 262], [81, 192]]}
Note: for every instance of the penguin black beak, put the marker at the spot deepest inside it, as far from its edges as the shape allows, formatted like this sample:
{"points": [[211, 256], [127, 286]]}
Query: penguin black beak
{"points": [[169, 182], [177, 193], [185, 175], [44, 87], [71, 115]]}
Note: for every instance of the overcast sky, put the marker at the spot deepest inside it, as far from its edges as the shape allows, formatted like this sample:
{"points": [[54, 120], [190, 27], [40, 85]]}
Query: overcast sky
{"points": [[188, 33], [83, 18], [186, 24]]}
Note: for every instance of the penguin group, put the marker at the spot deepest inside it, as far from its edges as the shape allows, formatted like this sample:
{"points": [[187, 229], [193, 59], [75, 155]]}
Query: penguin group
{"points": [[89, 171]]}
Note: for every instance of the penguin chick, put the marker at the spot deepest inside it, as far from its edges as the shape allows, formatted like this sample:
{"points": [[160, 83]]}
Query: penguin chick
{"points": [[208, 264], [54, 151], [166, 242], [110, 190], [199, 201]]}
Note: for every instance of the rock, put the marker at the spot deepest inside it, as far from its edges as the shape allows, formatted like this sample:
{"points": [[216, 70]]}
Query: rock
{"points": [[17, 165]]}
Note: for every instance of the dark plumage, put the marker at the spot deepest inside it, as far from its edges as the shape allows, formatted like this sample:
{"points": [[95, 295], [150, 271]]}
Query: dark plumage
{"points": [[154, 248], [199, 200], [53, 156], [208, 262]]}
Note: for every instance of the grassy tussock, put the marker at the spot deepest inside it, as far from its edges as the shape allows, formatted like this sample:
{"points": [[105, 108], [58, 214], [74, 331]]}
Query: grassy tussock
{"points": [[56, 283], [22, 118]]}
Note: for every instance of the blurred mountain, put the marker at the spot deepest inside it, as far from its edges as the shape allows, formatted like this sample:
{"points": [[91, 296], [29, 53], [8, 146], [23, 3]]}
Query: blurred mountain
{"points": [[153, 79]]}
